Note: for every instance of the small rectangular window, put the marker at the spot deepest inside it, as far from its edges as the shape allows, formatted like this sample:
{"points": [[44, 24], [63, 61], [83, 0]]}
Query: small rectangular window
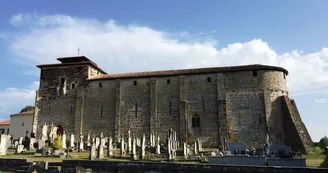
{"points": [[101, 111], [260, 119], [208, 79], [284, 76], [62, 82], [168, 81], [100, 84], [73, 85], [134, 82], [254, 73], [136, 111]]}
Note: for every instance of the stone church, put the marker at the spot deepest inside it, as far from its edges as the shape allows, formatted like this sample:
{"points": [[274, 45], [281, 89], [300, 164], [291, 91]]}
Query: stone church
{"points": [[217, 104]]}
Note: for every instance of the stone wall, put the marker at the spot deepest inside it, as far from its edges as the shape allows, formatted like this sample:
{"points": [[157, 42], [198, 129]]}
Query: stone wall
{"points": [[296, 134], [141, 167]]}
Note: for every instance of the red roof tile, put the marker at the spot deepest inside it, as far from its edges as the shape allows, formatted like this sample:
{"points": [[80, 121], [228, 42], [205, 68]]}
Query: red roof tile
{"points": [[7, 122]]}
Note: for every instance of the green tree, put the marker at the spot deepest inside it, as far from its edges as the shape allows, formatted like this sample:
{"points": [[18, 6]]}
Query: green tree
{"points": [[27, 108], [323, 143], [58, 143]]}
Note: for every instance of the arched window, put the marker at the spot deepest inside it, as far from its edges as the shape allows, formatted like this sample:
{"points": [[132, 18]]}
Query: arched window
{"points": [[195, 121]]}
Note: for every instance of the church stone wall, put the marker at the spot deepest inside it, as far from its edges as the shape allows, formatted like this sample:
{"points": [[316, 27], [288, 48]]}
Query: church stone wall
{"points": [[240, 106], [57, 99]]}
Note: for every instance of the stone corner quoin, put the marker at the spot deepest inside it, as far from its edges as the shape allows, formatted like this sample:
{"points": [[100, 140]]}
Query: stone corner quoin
{"points": [[218, 104]]}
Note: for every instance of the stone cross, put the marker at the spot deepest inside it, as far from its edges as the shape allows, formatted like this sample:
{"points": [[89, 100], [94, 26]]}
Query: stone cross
{"points": [[158, 147], [72, 141], [129, 141], [143, 146], [64, 140], [110, 147]]}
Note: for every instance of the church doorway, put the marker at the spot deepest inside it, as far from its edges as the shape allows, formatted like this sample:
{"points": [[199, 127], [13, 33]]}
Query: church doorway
{"points": [[60, 130]]}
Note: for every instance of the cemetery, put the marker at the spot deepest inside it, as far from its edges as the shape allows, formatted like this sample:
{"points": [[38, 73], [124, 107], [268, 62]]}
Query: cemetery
{"points": [[96, 152]]}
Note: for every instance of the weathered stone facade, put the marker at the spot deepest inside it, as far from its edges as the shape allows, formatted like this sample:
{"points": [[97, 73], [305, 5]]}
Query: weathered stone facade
{"points": [[241, 103]]}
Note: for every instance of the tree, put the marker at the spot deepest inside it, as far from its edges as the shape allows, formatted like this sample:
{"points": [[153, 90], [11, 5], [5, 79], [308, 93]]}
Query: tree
{"points": [[27, 108], [57, 145], [323, 143]]}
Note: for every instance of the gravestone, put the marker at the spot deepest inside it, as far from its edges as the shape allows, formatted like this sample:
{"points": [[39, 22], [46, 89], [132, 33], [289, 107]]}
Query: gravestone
{"points": [[110, 147], [199, 145], [138, 142], [101, 147], [19, 149], [40, 144], [97, 142], [32, 141], [185, 150], [92, 153], [64, 140], [237, 148], [134, 150], [88, 140], [3, 144], [72, 141], [81, 143], [20, 140], [169, 149], [158, 147], [129, 142], [195, 148], [122, 150], [280, 150], [44, 136], [143, 146]]}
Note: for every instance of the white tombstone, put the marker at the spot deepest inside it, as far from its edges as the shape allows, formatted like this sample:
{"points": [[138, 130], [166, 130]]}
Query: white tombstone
{"points": [[143, 146], [134, 150], [129, 141], [44, 136], [3, 145], [32, 141], [88, 140], [97, 142], [64, 140], [72, 141], [158, 147], [122, 150], [185, 150], [110, 147], [20, 141], [81, 143]]}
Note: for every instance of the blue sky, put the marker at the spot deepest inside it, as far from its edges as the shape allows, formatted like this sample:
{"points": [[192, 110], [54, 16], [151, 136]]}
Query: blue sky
{"points": [[151, 35]]}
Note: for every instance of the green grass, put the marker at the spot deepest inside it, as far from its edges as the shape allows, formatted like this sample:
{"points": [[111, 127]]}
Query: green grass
{"points": [[314, 160]]}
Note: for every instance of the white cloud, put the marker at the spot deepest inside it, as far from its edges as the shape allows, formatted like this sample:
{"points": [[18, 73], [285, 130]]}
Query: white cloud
{"points": [[125, 48], [321, 100], [12, 100]]}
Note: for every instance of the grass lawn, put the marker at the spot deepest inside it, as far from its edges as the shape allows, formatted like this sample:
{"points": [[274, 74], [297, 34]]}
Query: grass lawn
{"points": [[313, 161]]}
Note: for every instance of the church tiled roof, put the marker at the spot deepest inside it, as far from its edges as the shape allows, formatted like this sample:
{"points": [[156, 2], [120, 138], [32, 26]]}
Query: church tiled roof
{"points": [[188, 71]]}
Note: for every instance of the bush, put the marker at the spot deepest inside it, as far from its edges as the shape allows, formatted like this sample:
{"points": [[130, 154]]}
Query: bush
{"points": [[316, 151], [57, 143], [324, 164]]}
